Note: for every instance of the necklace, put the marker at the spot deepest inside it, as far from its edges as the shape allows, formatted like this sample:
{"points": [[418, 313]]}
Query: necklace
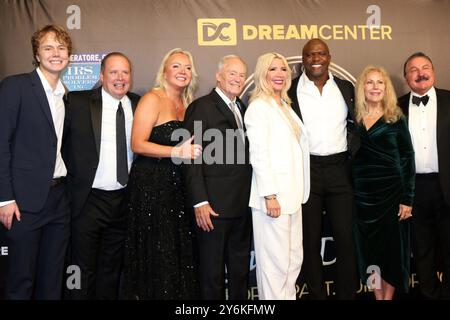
{"points": [[374, 113]]}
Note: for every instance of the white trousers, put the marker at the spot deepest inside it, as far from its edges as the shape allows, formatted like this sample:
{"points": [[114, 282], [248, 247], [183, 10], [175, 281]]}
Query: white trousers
{"points": [[279, 254]]}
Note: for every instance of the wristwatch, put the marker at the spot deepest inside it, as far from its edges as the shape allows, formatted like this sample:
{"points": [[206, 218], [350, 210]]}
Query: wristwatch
{"points": [[271, 197]]}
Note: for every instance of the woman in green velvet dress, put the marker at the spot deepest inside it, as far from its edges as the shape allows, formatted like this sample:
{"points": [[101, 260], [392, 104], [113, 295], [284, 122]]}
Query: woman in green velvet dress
{"points": [[383, 173]]}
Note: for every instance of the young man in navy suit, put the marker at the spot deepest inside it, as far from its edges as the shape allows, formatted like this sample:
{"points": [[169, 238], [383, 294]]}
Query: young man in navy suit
{"points": [[34, 207], [428, 112]]}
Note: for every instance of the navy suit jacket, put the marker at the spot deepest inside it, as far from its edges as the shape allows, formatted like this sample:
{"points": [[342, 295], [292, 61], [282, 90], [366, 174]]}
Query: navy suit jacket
{"points": [[442, 136], [28, 142]]}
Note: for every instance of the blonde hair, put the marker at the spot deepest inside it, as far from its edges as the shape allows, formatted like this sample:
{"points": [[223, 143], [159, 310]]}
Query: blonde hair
{"points": [[392, 111], [262, 87], [188, 93]]}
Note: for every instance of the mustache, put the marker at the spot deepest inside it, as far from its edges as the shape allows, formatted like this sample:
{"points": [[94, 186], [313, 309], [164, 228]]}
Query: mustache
{"points": [[422, 78]]}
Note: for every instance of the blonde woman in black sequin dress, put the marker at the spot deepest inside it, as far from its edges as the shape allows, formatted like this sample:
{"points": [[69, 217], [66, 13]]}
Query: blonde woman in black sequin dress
{"points": [[159, 249]]}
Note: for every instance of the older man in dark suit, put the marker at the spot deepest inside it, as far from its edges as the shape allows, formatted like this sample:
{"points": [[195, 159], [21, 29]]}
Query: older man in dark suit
{"points": [[219, 188], [34, 206], [98, 155], [428, 112]]}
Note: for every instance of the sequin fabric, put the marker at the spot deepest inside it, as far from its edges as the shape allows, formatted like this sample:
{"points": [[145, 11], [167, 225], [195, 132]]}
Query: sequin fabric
{"points": [[159, 248]]}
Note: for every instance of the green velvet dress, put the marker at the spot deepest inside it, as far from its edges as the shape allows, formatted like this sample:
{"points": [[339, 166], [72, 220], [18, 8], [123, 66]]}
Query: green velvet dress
{"points": [[384, 173]]}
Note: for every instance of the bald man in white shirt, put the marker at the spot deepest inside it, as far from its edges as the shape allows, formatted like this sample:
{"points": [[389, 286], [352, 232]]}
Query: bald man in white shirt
{"points": [[325, 104]]}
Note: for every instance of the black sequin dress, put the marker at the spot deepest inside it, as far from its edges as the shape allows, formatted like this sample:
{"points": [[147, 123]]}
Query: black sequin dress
{"points": [[159, 249]]}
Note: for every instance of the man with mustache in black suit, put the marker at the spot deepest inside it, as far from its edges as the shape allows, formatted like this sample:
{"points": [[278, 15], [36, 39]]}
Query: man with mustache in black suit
{"points": [[428, 112]]}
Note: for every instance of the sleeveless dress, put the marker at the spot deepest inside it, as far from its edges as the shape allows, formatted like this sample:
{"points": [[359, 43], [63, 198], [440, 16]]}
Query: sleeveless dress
{"points": [[159, 249], [384, 173]]}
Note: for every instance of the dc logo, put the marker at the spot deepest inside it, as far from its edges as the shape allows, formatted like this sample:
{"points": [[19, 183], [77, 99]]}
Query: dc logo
{"points": [[216, 32]]}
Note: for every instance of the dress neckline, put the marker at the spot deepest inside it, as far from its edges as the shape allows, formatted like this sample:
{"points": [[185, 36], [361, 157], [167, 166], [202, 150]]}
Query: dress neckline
{"points": [[373, 125], [167, 122]]}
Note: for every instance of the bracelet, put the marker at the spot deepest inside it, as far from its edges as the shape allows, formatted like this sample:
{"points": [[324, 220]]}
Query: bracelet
{"points": [[271, 197]]}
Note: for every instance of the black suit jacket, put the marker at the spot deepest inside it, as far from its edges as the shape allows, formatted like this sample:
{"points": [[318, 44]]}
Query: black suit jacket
{"points": [[81, 144], [28, 142], [225, 186], [348, 93], [442, 136]]}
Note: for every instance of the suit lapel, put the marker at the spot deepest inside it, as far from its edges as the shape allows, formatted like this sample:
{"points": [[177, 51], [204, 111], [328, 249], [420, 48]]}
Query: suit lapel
{"points": [[39, 92], [134, 101], [404, 103], [95, 105], [442, 114], [224, 109], [293, 95], [348, 98]]}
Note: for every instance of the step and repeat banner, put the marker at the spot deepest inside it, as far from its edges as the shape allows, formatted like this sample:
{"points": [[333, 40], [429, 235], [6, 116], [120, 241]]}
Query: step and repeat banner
{"points": [[358, 33]]}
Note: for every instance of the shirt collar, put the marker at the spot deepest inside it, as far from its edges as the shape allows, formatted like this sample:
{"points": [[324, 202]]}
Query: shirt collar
{"points": [[431, 93], [305, 80], [110, 100], [224, 97], [60, 90]]}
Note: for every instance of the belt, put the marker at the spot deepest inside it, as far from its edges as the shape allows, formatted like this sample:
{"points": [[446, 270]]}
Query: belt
{"points": [[428, 176], [57, 181], [330, 159]]}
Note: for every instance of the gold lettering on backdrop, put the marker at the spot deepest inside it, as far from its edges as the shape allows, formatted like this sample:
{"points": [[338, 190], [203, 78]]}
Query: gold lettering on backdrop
{"points": [[338, 32], [292, 33], [265, 32], [249, 32], [326, 32], [308, 32], [328, 288], [386, 32], [323, 34], [278, 32], [350, 31], [413, 282], [303, 291]]}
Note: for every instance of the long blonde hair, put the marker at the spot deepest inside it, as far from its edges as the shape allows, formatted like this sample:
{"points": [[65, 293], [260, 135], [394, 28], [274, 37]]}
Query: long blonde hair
{"points": [[262, 87], [188, 93], [392, 111]]}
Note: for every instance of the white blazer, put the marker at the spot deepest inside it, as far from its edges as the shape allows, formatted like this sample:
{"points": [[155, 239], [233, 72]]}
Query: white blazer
{"points": [[280, 163]]}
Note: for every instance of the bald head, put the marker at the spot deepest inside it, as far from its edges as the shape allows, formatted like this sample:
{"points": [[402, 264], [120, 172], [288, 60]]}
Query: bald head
{"points": [[316, 59], [314, 42]]}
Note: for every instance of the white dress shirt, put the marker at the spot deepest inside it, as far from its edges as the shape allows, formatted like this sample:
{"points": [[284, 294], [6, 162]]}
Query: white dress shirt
{"points": [[422, 126], [324, 115], [106, 174], [228, 103], [56, 103]]}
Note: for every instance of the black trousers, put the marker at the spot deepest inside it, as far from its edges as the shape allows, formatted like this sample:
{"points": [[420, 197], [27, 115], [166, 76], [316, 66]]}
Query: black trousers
{"points": [[431, 237], [36, 250], [227, 245], [98, 238], [331, 190]]}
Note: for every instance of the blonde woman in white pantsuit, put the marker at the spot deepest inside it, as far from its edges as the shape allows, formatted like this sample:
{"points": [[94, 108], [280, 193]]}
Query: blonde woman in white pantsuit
{"points": [[280, 184]]}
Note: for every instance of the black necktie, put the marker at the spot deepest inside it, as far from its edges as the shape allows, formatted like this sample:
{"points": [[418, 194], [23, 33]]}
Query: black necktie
{"points": [[417, 100], [121, 147]]}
